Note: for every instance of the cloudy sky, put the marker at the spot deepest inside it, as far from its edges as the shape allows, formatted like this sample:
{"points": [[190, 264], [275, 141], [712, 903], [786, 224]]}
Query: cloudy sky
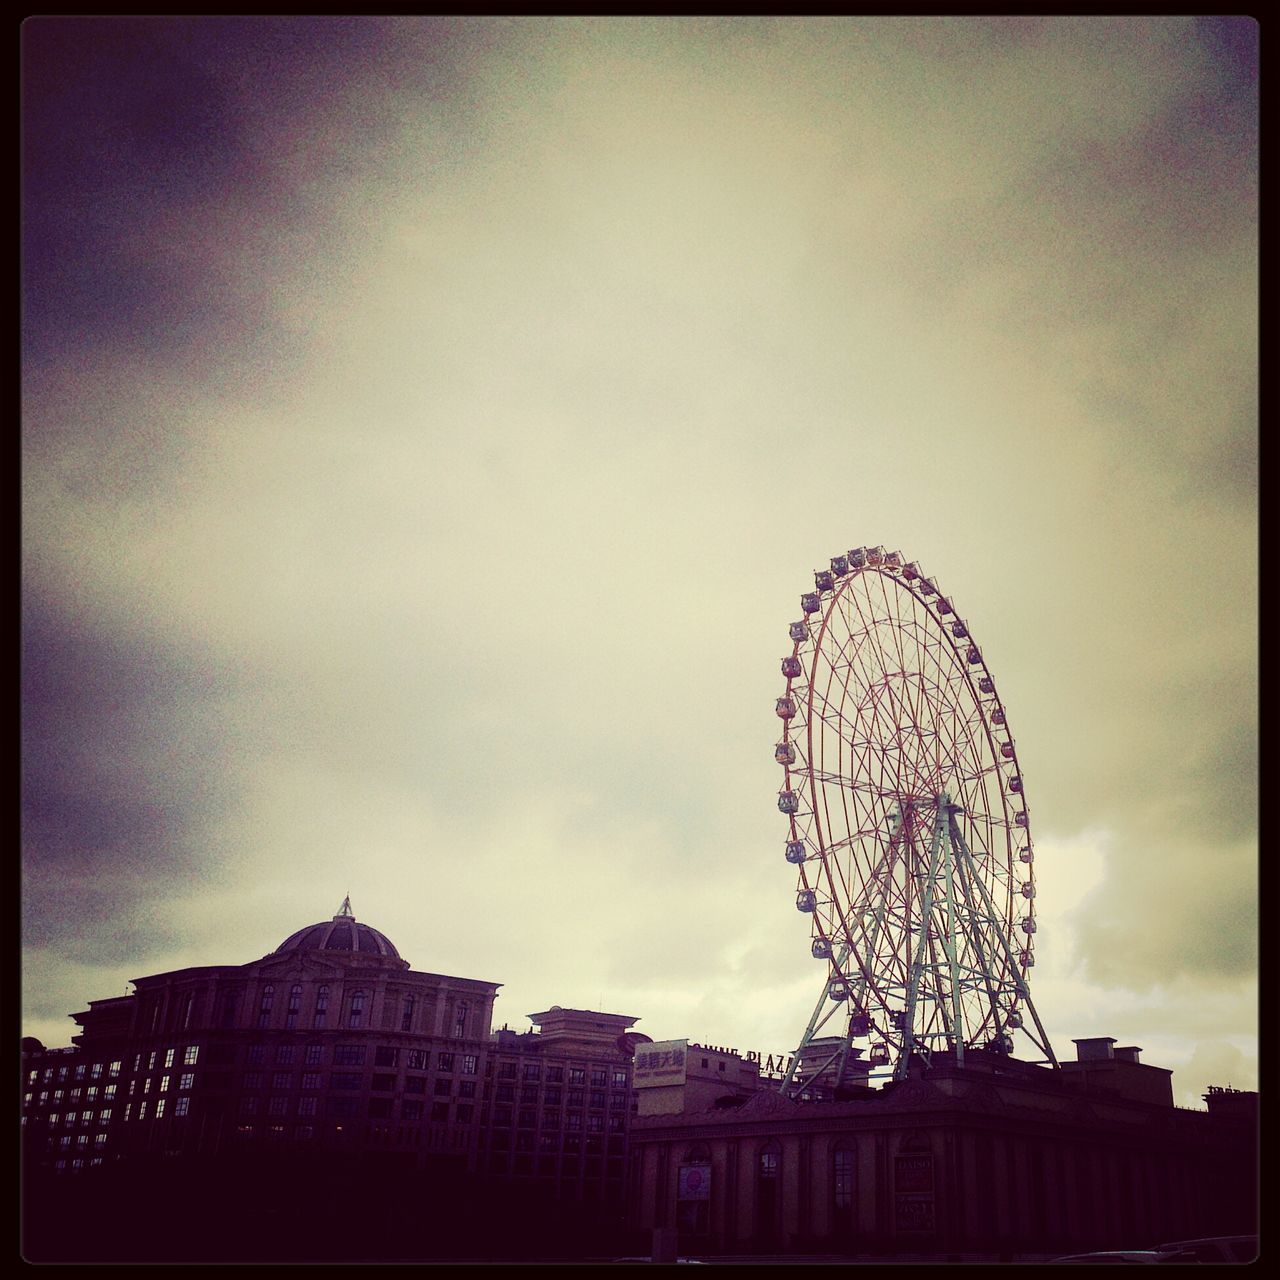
{"points": [[430, 426]]}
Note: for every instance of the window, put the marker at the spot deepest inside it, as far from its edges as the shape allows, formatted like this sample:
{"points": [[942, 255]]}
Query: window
{"points": [[253, 1079], [842, 1178], [277, 1105], [577, 1075], [767, 1190], [620, 1079], [114, 1069], [415, 1084], [257, 1054], [463, 1114], [304, 1131], [264, 1009], [467, 1089], [380, 1108], [142, 1111], [411, 1109], [128, 1107], [406, 1014], [80, 1071], [248, 1106], [527, 1118], [573, 1122], [552, 1097], [507, 1071], [445, 1087], [344, 1080], [307, 1106], [281, 1080], [531, 1071], [506, 1093], [230, 1007], [468, 1064], [310, 1079], [439, 1110], [284, 1055], [595, 1124], [314, 1055], [416, 1060], [95, 1071], [348, 1055], [295, 1004], [147, 1083], [164, 1084], [596, 1100], [187, 1006], [181, 1106], [384, 1083], [598, 1077], [501, 1115], [151, 1060], [108, 1093], [444, 1062], [355, 1010], [190, 1055], [576, 1097], [385, 1056], [169, 1055], [91, 1093], [617, 1123], [460, 1019], [322, 1006], [343, 1106]]}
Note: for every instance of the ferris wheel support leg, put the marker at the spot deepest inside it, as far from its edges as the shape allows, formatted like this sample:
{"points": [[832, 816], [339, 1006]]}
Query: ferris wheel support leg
{"points": [[1023, 990], [872, 941], [949, 947], [815, 1023], [975, 936], [922, 933]]}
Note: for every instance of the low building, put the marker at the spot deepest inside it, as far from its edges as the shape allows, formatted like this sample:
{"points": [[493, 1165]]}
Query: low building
{"points": [[995, 1157]]}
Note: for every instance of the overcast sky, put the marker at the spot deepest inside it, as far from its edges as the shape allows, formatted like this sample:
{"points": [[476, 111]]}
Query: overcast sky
{"points": [[431, 425]]}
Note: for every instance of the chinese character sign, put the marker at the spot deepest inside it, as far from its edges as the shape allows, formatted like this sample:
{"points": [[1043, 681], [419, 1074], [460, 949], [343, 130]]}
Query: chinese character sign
{"points": [[660, 1063]]}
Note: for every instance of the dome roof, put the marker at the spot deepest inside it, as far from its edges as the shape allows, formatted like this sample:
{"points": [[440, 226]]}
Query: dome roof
{"points": [[343, 934]]}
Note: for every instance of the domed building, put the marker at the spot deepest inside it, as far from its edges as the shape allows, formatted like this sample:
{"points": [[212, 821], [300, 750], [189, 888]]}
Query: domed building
{"points": [[332, 1042]]}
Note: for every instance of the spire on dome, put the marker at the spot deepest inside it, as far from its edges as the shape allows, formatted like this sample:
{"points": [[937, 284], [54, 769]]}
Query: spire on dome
{"points": [[345, 909]]}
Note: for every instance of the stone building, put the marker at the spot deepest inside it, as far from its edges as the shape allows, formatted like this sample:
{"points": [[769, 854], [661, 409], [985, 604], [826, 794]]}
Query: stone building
{"points": [[995, 1157], [333, 1045]]}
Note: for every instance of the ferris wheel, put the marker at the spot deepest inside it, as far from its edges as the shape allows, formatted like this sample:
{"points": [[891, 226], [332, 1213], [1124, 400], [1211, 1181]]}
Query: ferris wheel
{"points": [[908, 826]]}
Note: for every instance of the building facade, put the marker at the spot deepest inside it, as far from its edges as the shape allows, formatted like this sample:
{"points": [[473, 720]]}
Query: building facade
{"points": [[994, 1158], [333, 1046]]}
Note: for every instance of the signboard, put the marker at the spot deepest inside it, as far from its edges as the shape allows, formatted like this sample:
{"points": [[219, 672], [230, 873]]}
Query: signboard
{"points": [[695, 1182], [660, 1063], [913, 1173], [913, 1213], [913, 1198]]}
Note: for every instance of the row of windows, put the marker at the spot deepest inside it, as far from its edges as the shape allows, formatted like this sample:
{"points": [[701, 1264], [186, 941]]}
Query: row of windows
{"points": [[356, 1009], [73, 1096], [190, 1055], [378, 1108], [551, 1097], [526, 1119], [80, 1071], [532, 1071]]}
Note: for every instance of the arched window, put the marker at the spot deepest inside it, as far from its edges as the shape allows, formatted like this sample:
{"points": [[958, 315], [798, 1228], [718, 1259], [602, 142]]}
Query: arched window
{"points": [[460, 1018], [767, 1170], [355, 1015], [406, 1016], [295, 1003], [322, 1006], [264, 1009], [187, 1005]]}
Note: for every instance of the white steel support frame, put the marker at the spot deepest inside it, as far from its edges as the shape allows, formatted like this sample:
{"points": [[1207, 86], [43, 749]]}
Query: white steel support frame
{"points": [[954, 901]]}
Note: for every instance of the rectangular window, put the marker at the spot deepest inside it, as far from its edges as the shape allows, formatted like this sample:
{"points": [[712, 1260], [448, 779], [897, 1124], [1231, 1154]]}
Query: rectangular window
{"points": [[416, 1060], [385, 1056], [190, 1055], [284, 1055], [151, 1060], [576, 1097], [348, 1055], [620, 1079], [169, 1055], [310, 1079], [128, 1107], [314, 1055], [527, 1118], [142, 1110], [467, 1089], [531, 1071], [96, 1071], [164, 1084], [277, 1105], [257, 1054], [598, 1077], [100, 1141], [415, 1084], [443, 1088], [384, 1083], [439, 1110], [91, 1094], [281, 1080], [596, 1100], [147, 1083], [114, 1070], [464, 1113], [379, 1108], [307, 1106], [248, 1106], [506, 1071], [572, 1121], [506, 1093], [344, 1080], [577, 1075], [108, 1093], [188, 1080], [444, 1061], [617, 1123], [304, 1131], [502, 1115], [595, 1124], [80, 1071], [343, 1106], [468, 1064], [181, 1106], [253, 1079], [411, 1109]]}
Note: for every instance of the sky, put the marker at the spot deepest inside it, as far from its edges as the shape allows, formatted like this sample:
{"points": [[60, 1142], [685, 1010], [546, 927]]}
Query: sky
{"points": [[430, 425]]}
